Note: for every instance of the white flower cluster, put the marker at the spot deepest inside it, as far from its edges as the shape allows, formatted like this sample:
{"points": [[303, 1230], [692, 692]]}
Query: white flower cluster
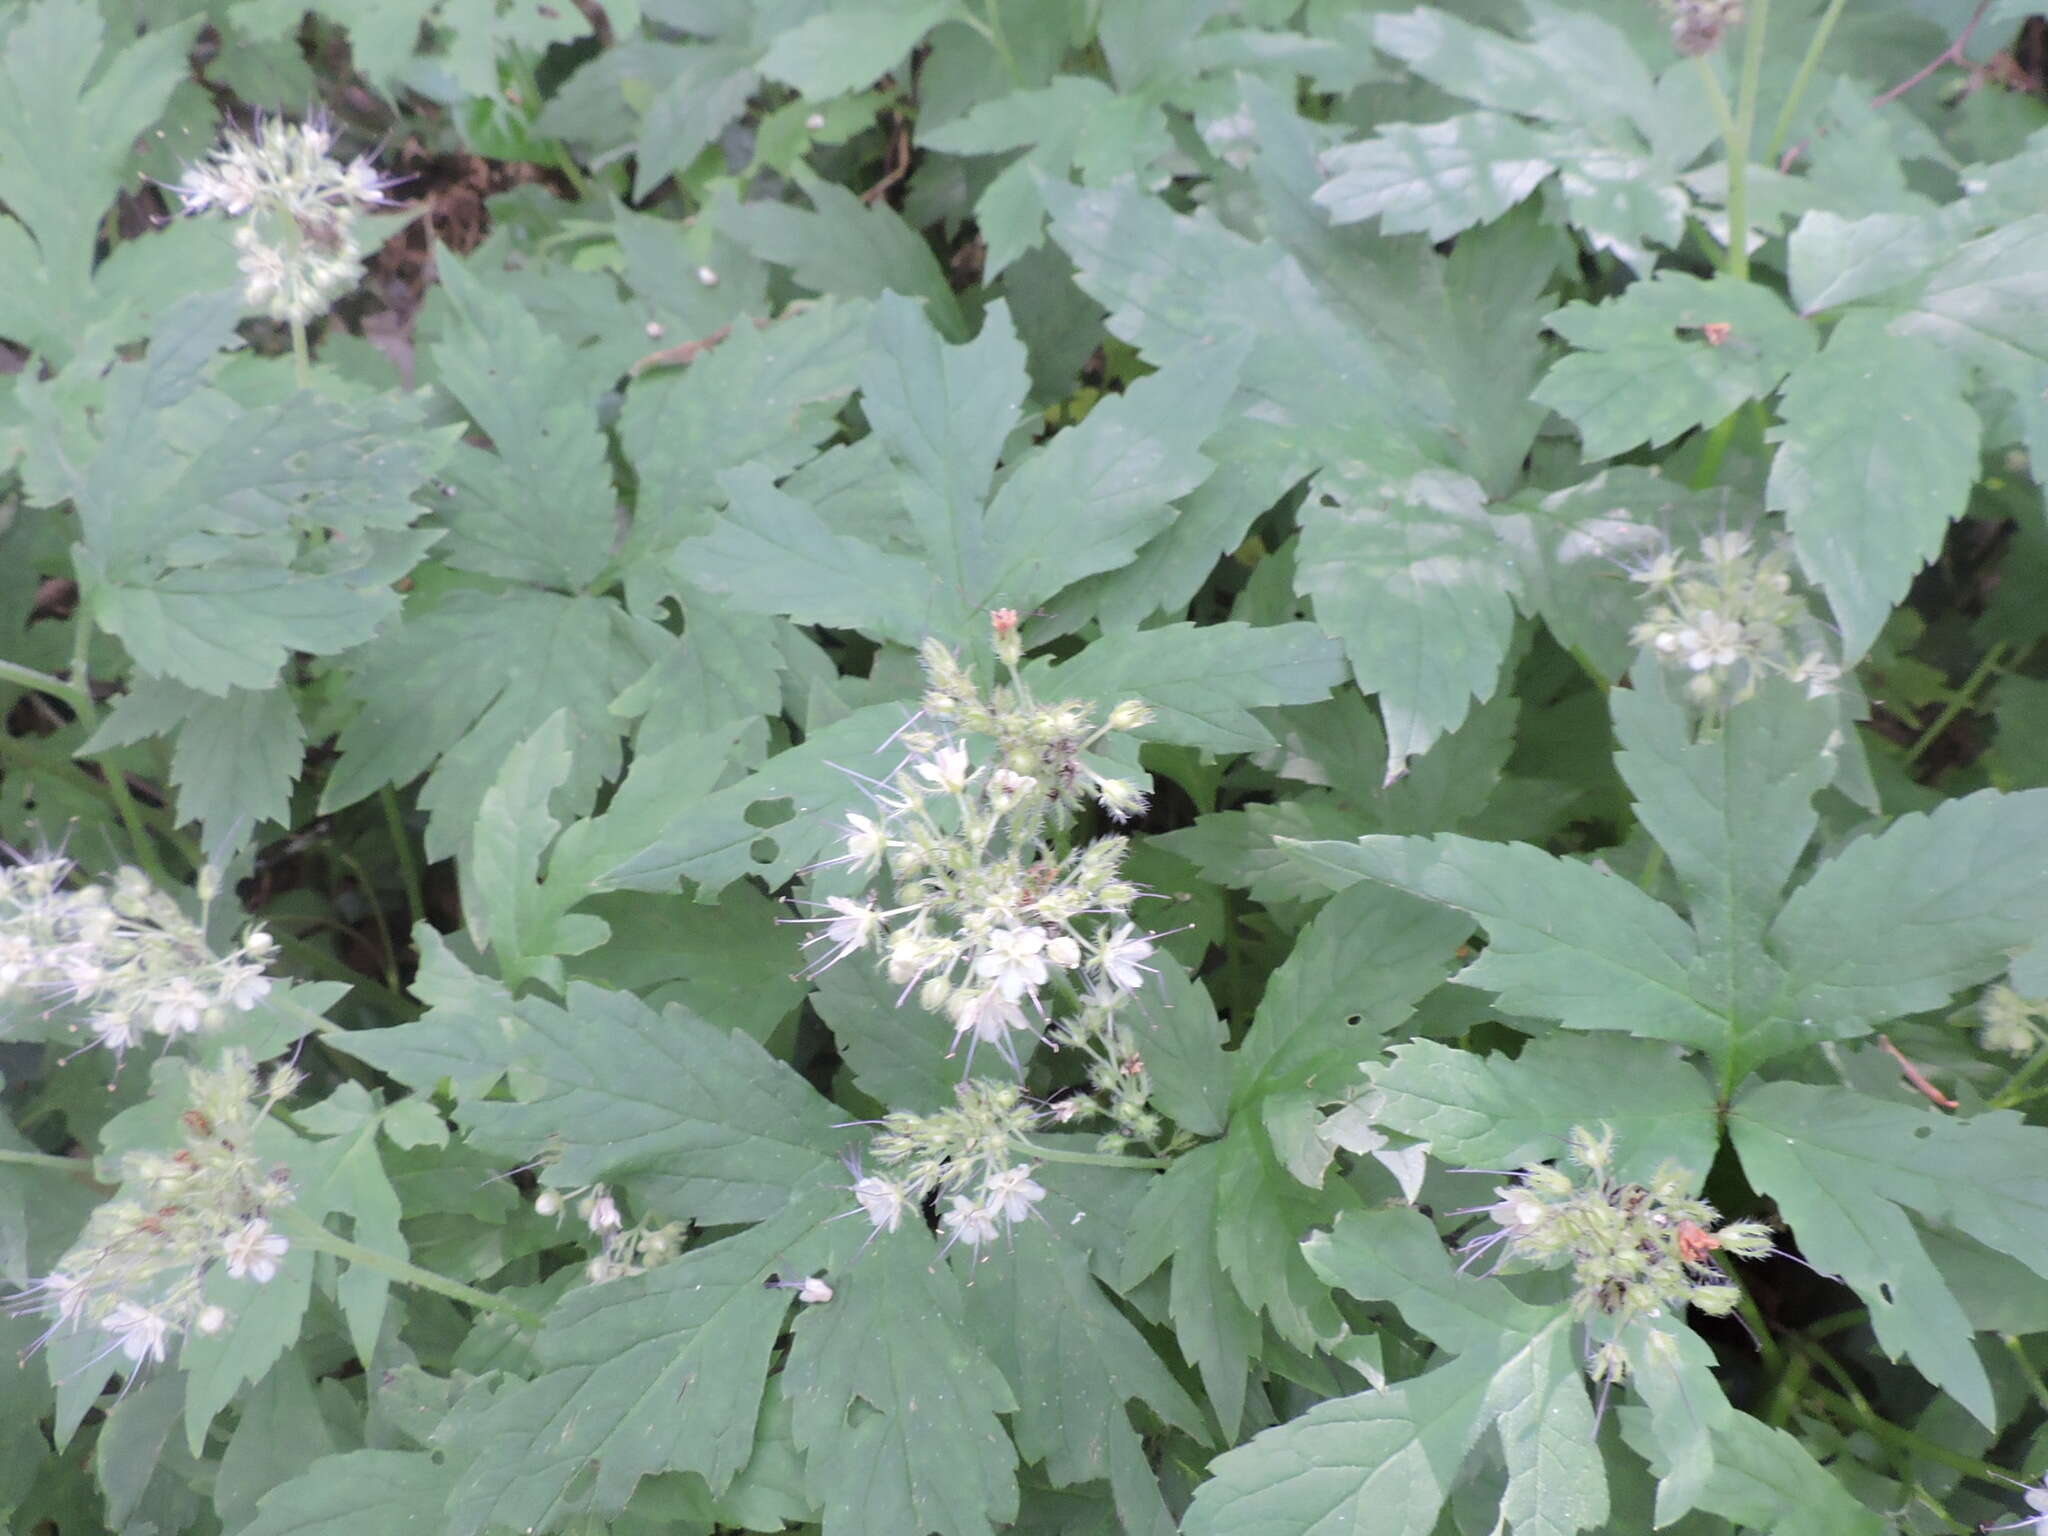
{"points": [[627, 1250], [966, 1155], [1730, 617], [123, 953], [1000, 927], [2011, 1023], [991, 925], [138, 1271], [1636, 1250], [298, 206]]}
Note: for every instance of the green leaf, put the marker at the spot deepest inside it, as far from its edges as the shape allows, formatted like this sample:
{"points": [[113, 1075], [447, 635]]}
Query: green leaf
{"points": [[1375, 1464], [1876, 457], [1177, 1032], [538, 506], [1497, 1112], [1261, 1212], [847, 248], [1178, 1219], [397, 1491], [1648, 369], [1073, 118], [845, 48], [1764, 1479], [1201, 679], [458, 686], [766, 396], [1567, 941], [236, 759], [132, 1442], [657, 1372], [279, 1435], [706, 1124], [1353, 975], [1409, 576], [1436, 178], [900, 1054], [1073, 1359], [469, 1033], [218, 540], [1900, 921], [772, 553], [503, 899], [711, 840], [896, 1404], [1537, 1396], [1734, 814], [345, 1174], [59, 185], [1841, 1165]]}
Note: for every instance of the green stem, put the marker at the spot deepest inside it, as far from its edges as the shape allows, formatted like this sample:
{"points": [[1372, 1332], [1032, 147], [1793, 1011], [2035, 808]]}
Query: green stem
{"points": [[2033, 1377], [302, 356], [1907, 1440], [1653, 866], [991, 29], [1709, 468], [1803, 78], [43, 682], [313, 1235], [1092, 1159], [1766, 1344], [47, 1160], [354, 866], [318, 959], [408, 866], [1993, 659], [1739, 147], [2010, 1094]]}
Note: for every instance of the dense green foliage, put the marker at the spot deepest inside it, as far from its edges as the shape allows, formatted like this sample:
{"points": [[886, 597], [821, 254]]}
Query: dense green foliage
{"points": [[898, 766]]}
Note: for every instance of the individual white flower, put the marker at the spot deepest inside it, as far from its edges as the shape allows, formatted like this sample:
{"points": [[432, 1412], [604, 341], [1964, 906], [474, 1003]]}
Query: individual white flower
{"points": [[180, 1009], [547, 1203], [139, 1331], [883, 1200], [1122, 958], [1012, 1192], [211, 1319], [1008, 789], [244, 989], [115, 1028], [1820, 675], [1518, 1208], [947, 769], [254, 1252], [987, 1015], [814, 1291], [1660, 572], [968, 1223], [1014, 960], [1063, 951], [602, 1214], [852, 927], [867, 842], [1710, 641], [1724, 548]]}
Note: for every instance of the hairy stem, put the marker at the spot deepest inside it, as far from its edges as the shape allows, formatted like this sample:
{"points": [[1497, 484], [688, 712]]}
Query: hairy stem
{"points": [[314, 1235]]}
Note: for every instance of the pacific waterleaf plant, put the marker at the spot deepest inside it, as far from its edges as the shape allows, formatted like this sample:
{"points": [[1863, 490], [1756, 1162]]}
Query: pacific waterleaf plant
{"points": [[982, 765]]}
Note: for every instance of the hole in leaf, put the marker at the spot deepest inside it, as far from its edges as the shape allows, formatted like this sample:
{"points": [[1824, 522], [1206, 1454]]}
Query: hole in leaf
{"points": [[763, 850], [770, 813], [1354, 1020], [1922, 1132]]}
